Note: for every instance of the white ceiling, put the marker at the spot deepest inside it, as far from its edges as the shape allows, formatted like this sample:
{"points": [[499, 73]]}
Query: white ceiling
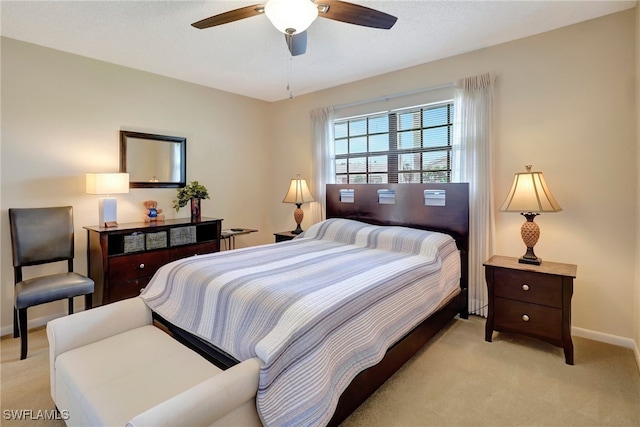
{"points": [[250, 57]]}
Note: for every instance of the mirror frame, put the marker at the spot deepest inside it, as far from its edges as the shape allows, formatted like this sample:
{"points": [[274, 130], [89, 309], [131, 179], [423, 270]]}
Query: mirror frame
{"points": [[125, 135]]}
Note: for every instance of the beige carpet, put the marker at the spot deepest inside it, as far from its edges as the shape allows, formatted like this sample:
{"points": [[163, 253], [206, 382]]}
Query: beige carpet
{"points": [[458, 380], [24, 384]]}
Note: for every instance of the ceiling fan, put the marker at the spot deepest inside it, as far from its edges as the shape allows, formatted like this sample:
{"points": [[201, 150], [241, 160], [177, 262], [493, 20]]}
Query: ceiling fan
{"points": [[293, 17]]}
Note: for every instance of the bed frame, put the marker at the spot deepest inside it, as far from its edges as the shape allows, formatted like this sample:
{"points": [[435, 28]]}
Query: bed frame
{"points": [[409, 210]]}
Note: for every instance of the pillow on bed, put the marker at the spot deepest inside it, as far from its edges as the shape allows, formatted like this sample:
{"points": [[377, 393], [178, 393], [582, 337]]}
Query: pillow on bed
{"points": [[337, 230], [390, 238]]}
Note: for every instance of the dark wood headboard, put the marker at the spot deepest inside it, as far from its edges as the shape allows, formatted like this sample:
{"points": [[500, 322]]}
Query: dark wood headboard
{"points": [[409, 210]]}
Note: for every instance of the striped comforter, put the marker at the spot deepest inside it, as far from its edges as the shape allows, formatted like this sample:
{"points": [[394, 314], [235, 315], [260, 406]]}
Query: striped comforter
{"points": [[317, 310]]}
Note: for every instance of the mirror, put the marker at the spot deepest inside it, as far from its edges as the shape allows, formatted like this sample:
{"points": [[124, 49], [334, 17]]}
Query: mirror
{"points": [[153, 161]]}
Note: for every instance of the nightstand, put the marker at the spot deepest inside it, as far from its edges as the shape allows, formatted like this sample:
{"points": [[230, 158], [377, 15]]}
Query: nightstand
{"points": [[283, 236], [533, 300]]}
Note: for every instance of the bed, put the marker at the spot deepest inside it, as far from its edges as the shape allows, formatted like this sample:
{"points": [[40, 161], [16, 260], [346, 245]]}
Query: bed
{"points": [[191, 296]]}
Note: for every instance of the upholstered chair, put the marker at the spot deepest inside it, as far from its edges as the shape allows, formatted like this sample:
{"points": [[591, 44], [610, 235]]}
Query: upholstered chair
{"points": [[40, 236]]}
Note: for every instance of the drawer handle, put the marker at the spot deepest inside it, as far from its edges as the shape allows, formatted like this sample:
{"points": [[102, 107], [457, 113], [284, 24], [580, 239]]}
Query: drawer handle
{"points": [[525, 317], [141, 266], [525, 287]]}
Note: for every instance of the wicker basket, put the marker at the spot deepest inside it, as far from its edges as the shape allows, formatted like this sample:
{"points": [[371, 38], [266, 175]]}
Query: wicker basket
{"points": [[134, 243], [157, 240], [182, 235]]}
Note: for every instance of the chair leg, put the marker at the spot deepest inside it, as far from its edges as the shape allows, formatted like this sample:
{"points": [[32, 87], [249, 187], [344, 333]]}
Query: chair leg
{"points": [[16, 329], [22, 320], [88, 301], [71, 305]]}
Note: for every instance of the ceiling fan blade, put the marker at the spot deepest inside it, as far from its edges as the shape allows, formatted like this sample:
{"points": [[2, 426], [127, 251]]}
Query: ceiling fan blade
{"points": [[354, 14], [230, 16], [297, 43]]}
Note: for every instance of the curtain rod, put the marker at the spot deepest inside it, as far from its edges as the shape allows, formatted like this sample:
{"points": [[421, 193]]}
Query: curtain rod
{"points": [[387, 97]]}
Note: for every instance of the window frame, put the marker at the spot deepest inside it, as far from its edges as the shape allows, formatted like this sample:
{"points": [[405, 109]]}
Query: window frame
{"points": [[394, 151]]}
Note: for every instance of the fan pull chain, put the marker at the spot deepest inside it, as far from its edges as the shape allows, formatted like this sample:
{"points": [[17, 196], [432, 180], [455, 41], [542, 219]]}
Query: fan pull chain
{"points": [[289, 77]]}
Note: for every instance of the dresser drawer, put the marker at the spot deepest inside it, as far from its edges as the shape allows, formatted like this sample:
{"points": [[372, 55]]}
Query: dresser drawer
{"points": [[530, 319], [528, 287], [136, 266], [127, 288], [196, 249]]}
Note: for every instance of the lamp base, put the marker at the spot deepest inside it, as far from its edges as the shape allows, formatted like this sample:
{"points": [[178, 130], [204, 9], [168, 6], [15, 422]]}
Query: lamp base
{"points": [[298, 216], [530, 234], [107, 212], [534, 261]]}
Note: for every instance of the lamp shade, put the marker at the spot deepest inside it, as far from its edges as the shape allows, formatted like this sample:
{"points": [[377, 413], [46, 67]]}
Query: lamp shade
{"points": [[530, 193], [291, 16], [298, 192], [107, 183]]}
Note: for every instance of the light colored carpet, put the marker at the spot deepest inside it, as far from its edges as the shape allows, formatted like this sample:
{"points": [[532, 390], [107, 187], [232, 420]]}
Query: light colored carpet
{"points": [[24, 384], [462, 380], [457, 380]]}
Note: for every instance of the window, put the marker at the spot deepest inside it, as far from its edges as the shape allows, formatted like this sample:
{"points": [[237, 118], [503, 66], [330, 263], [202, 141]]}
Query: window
{"points": [[401, 146]]}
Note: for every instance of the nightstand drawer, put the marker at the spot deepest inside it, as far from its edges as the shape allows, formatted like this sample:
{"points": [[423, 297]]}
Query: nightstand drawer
{"points": [[528, 287], [530, 319], [136, 266]]}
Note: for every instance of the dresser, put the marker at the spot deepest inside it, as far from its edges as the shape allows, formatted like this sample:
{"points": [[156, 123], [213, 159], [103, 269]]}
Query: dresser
{"points": [[121, 260], [532, 300]]}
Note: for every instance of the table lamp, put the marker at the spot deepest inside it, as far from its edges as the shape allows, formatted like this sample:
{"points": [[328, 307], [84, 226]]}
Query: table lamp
{"points": [[530, 195], [107, 184], [298, 194]]}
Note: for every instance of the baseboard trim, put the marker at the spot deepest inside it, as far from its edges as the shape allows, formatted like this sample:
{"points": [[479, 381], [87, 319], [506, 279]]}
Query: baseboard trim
{"points": [[602, 337], [32, 323], [609, 339]]}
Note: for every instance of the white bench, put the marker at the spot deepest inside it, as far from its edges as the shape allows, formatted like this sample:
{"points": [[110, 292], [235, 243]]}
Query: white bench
{"points": [[111, 367]]}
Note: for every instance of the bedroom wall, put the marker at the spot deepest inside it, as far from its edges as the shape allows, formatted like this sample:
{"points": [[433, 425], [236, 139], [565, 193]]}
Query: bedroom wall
{"points": [[564, 102], [61, 115], [636, 299]]}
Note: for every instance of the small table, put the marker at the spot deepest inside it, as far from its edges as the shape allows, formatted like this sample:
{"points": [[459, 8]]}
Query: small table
{"points": [[230, 235], [533, 300]]}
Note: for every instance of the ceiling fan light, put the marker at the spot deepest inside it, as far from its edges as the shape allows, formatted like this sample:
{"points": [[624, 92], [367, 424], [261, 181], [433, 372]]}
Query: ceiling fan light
{"points": [[291, 16]]}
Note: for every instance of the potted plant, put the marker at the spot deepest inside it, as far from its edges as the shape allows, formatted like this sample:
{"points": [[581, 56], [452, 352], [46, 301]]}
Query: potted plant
{"points": [[193, 192]]}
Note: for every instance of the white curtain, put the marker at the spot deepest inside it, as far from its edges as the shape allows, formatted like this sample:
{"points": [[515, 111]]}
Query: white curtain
{"points": [[472, 163], [323, 167]]}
